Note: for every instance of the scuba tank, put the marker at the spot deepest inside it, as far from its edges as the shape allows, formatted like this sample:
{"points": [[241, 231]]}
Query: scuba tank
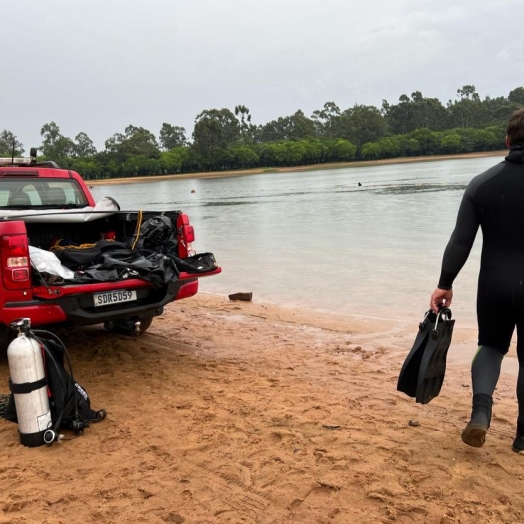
{"points": [[28, 385]]}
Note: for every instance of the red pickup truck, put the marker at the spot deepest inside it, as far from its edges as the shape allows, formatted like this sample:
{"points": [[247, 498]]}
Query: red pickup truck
{"points": [[41, 205]]}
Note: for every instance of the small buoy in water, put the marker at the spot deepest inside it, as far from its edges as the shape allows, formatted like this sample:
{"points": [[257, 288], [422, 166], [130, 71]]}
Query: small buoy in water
{"points": [[192, 191]]}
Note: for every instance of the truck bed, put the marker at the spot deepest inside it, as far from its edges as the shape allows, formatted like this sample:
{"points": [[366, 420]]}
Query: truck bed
{"points": [[43, 234]]}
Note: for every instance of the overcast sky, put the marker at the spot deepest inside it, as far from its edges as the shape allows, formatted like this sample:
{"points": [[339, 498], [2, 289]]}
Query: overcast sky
{"points": [[101, 65]]}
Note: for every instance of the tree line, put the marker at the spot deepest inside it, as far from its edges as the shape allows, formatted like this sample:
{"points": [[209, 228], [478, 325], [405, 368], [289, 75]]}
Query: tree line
{"points": [[226, 140]]}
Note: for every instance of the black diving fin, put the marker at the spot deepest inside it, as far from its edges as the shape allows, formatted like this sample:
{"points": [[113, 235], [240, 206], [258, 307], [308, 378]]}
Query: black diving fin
{"points": [[423, 371]]}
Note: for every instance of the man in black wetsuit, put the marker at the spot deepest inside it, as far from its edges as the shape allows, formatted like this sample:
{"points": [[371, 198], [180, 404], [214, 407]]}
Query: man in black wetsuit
{"points": [[493, 200]]}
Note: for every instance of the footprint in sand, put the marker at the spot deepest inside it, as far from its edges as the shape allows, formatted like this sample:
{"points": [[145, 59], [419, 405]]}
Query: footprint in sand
{"points": [[316, 413]]}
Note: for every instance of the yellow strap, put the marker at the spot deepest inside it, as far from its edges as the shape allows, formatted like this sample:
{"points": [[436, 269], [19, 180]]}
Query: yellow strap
{"points": [[137, 230], [81, 246]]}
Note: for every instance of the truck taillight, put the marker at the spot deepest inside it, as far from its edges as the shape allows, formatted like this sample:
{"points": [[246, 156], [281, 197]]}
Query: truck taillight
{"points": [[20, 275], [16, 245], [185, 235], [15, 262], [189, 233]]}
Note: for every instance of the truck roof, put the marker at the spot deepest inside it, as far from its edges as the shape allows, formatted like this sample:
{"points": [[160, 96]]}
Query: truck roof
{"points": [[30, 161], [24, 177], [36, 171]]}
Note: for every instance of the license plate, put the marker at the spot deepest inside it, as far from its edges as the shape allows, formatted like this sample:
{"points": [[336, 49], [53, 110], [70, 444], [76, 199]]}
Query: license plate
{"points": [[113, 297]]}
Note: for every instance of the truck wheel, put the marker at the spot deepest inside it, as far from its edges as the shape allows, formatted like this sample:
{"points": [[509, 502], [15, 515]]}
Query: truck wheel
{"points": [[145, 324], [127, 326]]}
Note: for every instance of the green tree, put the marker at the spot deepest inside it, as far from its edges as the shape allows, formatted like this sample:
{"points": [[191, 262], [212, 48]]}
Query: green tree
{"points": [[214, 131], [244, 157], [54, 144], [360, 124], [370, 151], [272, 154], [516, 96], [173, 161], [316, 150], [343, 150], [409, 146], [294, 127], [495, 110], [300, 126], [136, 141], [88, 167], [247, 129], [487, 140], [465, 112], [429, 141], [172, 136], [399, 117], [10, 145], [450, 143], [326, 119], [279, 129], [427, 113], [413, 113], [389, 147], [141, 165], [294, 153], [499, 131], [84, 146]]}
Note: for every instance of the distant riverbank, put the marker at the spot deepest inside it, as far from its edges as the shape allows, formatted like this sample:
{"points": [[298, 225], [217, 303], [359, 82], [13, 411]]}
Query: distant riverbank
{"points": [[311, 167]]}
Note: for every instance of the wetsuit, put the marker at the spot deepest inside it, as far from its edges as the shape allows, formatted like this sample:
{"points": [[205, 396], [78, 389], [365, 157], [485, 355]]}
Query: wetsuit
{"points": [[494, 200]]}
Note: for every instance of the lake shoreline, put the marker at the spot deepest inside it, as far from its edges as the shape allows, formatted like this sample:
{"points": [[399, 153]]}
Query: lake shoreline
{"points": [[310, 167]]}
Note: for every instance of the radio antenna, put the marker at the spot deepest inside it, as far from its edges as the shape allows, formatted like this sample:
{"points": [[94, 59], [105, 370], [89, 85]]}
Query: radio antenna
{"points": [[13, 153]]}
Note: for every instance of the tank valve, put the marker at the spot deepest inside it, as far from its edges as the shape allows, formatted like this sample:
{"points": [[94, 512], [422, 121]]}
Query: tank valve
{"points": [[22, 325]]}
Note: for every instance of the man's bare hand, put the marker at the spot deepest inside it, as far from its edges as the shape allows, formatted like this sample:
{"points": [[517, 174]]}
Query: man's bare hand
{"points": [[440, 297]]}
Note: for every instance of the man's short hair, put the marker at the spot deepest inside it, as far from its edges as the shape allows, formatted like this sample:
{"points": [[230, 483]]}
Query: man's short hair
{"points": [[515, 129]]}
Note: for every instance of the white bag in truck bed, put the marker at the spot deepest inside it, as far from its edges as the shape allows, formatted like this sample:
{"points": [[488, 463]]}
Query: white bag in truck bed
{"points": [[48, 262]]}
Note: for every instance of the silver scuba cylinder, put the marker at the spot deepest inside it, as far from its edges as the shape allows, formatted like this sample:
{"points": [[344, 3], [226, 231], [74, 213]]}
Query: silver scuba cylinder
{"points": [[28, 385]]}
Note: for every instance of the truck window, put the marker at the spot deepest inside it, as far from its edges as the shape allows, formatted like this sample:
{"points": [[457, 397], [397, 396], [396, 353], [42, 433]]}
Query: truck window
{"points": [[4, 196], [21, 195], [47, 192], [33, 194], [64, 191]]}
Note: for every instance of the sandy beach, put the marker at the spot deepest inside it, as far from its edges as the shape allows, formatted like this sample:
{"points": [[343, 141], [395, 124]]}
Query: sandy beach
{"points": [[241, 412]]}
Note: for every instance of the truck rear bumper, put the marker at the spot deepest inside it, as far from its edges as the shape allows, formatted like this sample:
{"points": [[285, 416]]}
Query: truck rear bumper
{"points": [[80, 310]]}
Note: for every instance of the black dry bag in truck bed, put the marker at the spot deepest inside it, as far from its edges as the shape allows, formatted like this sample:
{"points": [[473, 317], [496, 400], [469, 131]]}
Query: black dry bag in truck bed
{"points": [[199, 263]]}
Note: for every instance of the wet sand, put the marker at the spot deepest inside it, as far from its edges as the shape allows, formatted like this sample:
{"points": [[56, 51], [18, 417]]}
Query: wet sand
{"points": [[230, 412]]}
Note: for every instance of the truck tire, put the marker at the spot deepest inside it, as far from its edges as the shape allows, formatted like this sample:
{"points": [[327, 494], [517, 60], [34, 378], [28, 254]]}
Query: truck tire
{"points": [[145, 324], [127, 326]]}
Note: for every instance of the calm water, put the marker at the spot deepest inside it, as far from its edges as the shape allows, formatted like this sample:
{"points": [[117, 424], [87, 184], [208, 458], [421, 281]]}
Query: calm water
{"points": [[318, 240]]}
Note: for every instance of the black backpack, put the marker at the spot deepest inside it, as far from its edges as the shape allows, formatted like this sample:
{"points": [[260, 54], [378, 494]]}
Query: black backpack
{"points": [[69, 402], [156, 234]]}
